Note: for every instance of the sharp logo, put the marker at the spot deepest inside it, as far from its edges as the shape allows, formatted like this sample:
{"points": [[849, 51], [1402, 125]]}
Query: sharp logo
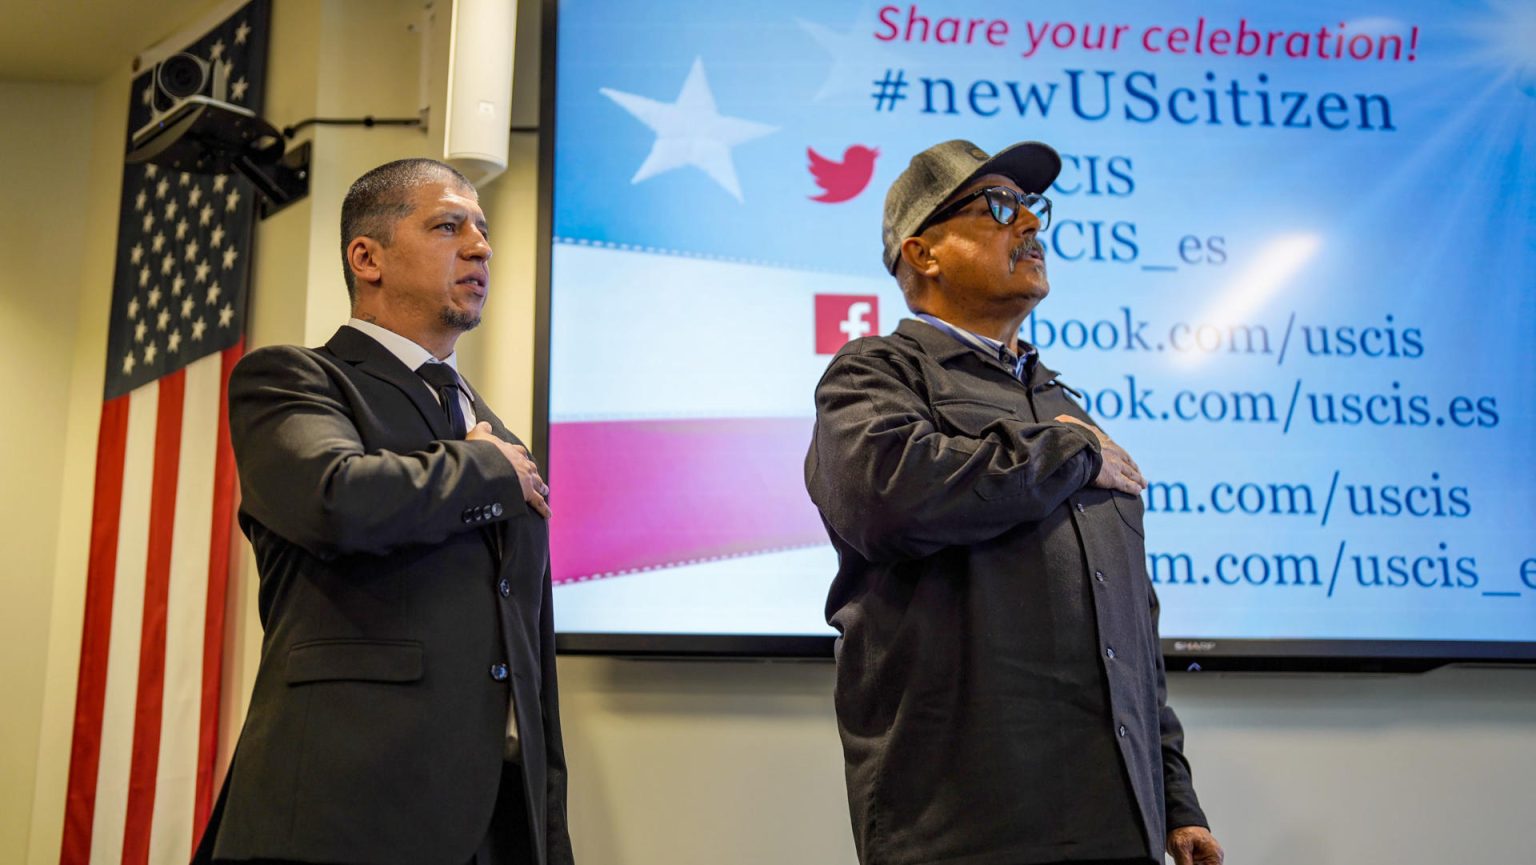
{"points": [[842, 318], [1194, 645]]}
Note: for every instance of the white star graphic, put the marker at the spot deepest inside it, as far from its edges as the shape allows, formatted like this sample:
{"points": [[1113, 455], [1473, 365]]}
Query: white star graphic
{"points": [[154, 297], [217, 50], [197, 329], [856, 59], [229, 257], [186, 307], [192, 251], [218, 182], [173, 342], [233, 200], [204, 215], [162, 187], [133, 308], [149, 222], [128, 363], [136, 253], [690, 132], [184, 179], [170, 209], [162, 320], [181, 229], [242, 32], [202, 271], [237, 88], [144, 276], [150, 352], [139, 330], [226, 314], [157, 243], [176, 285], [151, 170], [194, 196], [213, 294], [217, 237], [140, 200], [167, 264]]}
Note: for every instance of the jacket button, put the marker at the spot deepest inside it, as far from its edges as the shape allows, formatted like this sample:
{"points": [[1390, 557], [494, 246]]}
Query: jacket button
{"points": [[499, 673], [505, 588], [1080, 508], [468, 515], [1109, 652], [1098, 575], [1121, 731], [496, 509]]}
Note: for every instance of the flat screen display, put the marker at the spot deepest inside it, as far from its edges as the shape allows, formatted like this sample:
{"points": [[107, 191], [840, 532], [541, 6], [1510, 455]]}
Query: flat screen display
{"points": [[1292, 265]]}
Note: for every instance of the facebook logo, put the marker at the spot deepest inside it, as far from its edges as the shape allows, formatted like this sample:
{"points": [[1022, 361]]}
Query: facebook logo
{"points": [[841, 318]]}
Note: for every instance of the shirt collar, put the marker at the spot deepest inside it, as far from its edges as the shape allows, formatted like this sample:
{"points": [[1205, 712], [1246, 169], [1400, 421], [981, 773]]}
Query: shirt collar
{"points": [[408, 352], [1020, 364]]}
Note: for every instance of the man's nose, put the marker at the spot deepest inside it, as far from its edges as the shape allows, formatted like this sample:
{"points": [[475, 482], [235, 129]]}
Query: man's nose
{"points": [[479, 248]]}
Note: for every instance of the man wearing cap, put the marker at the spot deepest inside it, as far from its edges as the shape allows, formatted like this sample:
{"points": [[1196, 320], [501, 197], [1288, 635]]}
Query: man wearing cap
{"points": [[1000, 691]]}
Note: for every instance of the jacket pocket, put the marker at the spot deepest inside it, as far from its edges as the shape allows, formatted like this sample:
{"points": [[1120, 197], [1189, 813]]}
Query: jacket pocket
{"points": [[969, 417], [354, 660], [1131, 511]]}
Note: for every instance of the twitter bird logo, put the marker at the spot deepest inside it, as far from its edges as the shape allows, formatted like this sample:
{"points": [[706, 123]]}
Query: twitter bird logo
{"points": [[841, 181]]}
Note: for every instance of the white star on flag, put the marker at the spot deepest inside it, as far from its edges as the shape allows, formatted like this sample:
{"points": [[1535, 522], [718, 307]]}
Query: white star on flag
{"points": [[690, 131], [128, 363], [237, 89], [174, 341], [154, 297], [194, 196], [197, 329], [140, 200], [218, 182], [213, 293], [157, 243], [139, 330], [226, 314], [202, 270], [205, 215], [133, 308], [149, 222], [150, 352], [233, 201], [229, 257], [186, 307], [137, 253], [217, 50], [242, 32], [192, 251], [177, 283], [217, 237], [162, 187], [181, 229], [162, 320]]}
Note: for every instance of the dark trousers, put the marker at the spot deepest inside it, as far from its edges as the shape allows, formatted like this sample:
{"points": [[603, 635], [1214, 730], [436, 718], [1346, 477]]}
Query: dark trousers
{"points": [[508, 841]]}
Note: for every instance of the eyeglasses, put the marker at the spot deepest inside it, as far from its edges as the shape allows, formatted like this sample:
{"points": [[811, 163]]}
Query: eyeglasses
{"points": [[1004, 204]]}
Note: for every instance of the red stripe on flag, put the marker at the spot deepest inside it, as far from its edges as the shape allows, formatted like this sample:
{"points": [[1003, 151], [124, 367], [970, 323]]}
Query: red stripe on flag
{"points": [[144, 771], [221, 537], [95, 635]]}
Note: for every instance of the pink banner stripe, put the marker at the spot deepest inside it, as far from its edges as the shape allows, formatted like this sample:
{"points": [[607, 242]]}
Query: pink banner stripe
{"points": [[634, 495]]}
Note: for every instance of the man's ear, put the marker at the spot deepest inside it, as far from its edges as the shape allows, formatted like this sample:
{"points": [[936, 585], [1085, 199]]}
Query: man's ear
{"points": [[918, 255], [363, 256]]}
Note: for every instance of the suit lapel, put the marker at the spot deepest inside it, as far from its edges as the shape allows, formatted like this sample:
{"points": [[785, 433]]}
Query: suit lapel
{"points": [[356, 347]]}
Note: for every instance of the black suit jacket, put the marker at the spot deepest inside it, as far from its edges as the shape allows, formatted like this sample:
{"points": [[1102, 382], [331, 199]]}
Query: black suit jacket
{"points": [[399, 572]]}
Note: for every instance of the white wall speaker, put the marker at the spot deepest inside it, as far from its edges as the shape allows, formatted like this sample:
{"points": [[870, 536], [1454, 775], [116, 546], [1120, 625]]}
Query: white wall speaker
{"points": [[467, 76]]}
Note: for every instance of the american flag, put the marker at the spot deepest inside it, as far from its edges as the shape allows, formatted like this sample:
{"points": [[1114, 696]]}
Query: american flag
{"points": [[142, 757]]}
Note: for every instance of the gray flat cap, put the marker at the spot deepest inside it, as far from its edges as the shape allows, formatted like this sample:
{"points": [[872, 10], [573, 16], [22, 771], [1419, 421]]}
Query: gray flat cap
{"points": [[938, 172]]}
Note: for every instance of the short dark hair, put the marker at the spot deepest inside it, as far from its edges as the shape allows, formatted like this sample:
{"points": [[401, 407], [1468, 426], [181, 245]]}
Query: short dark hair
{"points": [[380, 198]]}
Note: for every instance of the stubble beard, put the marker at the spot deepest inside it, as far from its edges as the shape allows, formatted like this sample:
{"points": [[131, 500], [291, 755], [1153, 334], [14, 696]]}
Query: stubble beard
{"points": [[454, 319]]}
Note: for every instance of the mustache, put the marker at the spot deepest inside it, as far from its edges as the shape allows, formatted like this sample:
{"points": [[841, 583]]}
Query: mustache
{"points": [[1030, 244]]}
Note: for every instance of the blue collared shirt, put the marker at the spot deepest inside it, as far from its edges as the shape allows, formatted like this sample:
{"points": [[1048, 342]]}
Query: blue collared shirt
{"points": [[1021, 364]]}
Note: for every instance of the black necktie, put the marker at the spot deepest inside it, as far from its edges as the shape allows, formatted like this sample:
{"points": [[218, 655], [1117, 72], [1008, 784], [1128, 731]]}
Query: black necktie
{"points": [[446, 382]]}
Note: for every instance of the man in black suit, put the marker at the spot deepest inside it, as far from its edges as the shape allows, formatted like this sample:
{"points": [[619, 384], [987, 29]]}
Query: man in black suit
{"points": [[405, 709]]}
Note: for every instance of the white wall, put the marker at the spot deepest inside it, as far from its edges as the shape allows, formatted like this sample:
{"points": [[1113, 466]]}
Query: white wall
{"points": [[672, 763]]}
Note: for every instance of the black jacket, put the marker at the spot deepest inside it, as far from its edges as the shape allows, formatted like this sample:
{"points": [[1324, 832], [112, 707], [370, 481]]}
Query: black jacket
{"points": [[405, 599], [1000, 690]]}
